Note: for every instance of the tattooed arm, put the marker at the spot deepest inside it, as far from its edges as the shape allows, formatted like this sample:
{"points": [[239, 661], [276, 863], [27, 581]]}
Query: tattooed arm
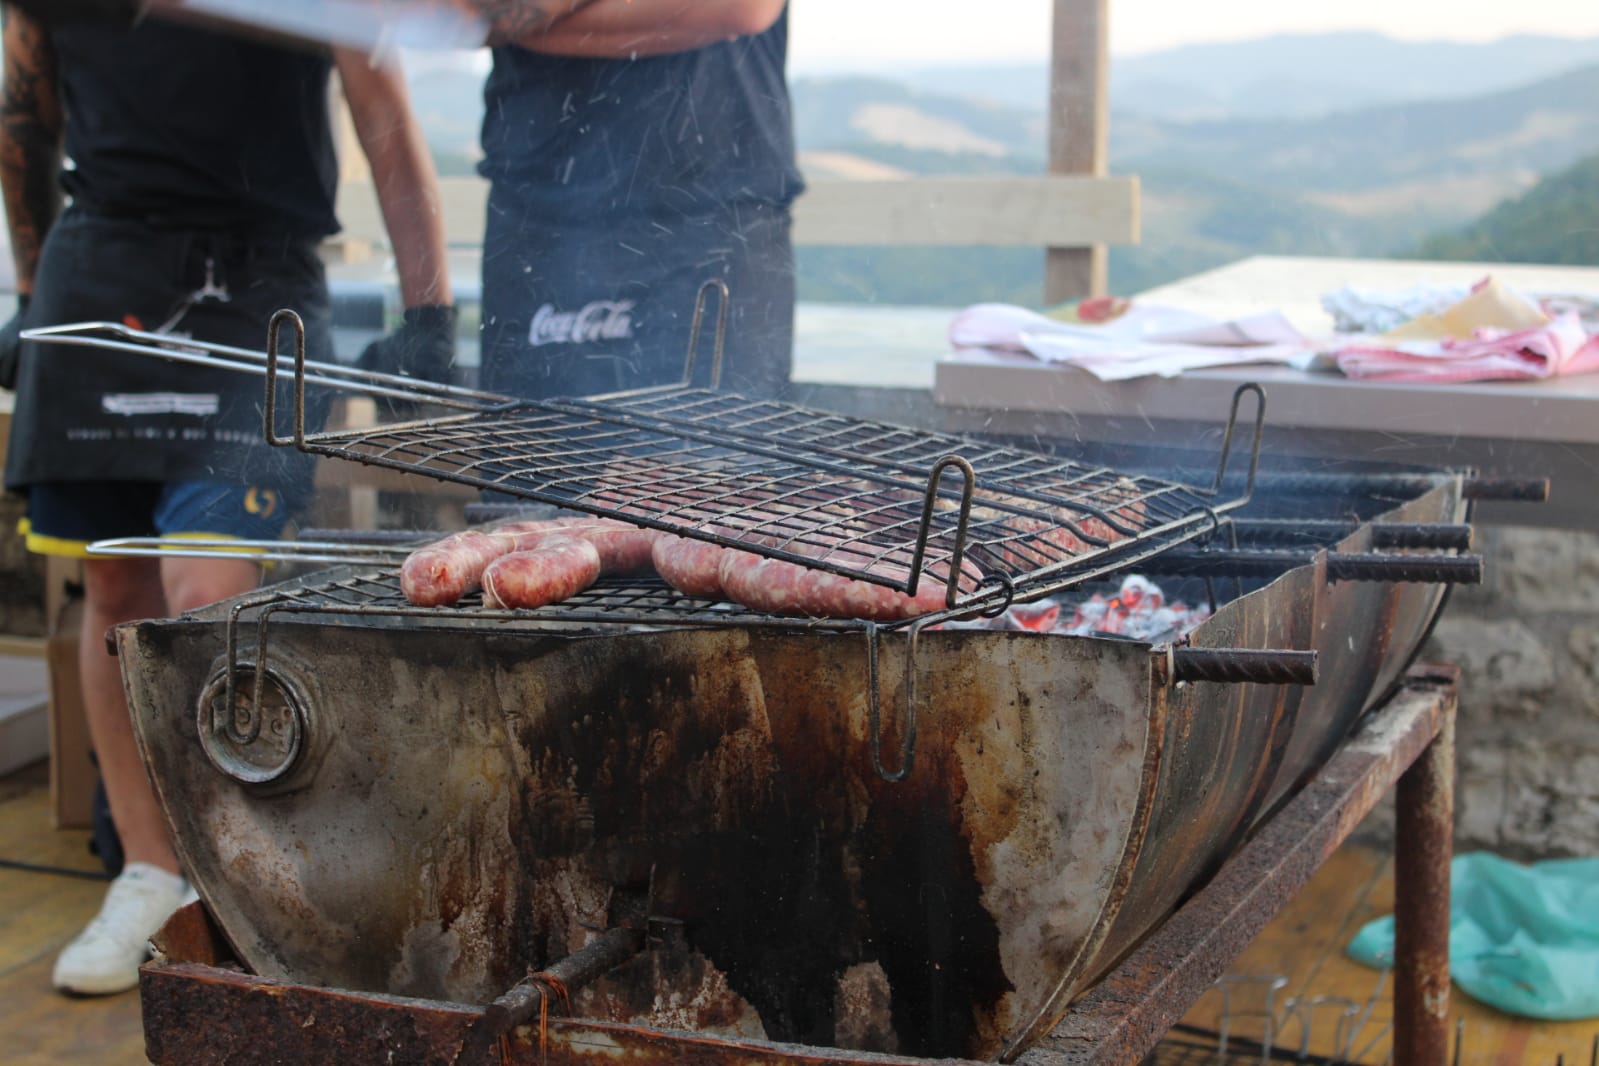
{"points": [[30, 140], [403, 174]]}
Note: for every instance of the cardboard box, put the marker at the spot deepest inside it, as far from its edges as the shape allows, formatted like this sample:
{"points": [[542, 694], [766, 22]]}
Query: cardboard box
{"points": [[72, 775], [24, 735]]}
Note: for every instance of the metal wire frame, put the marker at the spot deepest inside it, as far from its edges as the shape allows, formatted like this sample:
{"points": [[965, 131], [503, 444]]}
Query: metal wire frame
{"points": [[712, 466], [869, 501]]}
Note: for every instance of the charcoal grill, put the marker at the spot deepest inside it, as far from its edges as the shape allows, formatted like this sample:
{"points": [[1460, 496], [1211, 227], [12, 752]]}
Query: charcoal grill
{"points": [[435, 801]]}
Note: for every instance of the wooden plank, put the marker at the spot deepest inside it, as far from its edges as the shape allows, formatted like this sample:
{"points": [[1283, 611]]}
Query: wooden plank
{"points": [[39, 913], [1306, 942], [1061, 210], [1079, 135], [22, 647]]}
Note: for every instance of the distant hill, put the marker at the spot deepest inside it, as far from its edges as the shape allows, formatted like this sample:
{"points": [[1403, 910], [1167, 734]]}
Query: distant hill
{"points": [[1376, 180], [1289, 75], [1556, 221], [1395, 157]]}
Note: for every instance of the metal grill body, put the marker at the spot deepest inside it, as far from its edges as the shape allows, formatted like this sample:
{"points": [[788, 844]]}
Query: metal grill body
{"points": [[428, 802]]}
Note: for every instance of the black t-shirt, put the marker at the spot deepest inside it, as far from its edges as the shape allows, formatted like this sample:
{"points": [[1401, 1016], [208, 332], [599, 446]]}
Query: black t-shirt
{"points": [[687, 134], [185, 128]]}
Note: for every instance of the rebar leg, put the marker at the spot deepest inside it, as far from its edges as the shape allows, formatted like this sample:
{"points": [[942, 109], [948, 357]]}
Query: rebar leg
{"points": [[1423, 847]]}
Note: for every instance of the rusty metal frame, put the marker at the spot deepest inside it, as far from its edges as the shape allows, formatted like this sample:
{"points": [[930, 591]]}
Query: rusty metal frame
{"points": [[200, 1009]]}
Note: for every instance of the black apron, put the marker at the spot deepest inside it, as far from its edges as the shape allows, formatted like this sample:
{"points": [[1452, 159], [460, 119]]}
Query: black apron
{"points": [[82, 414]]}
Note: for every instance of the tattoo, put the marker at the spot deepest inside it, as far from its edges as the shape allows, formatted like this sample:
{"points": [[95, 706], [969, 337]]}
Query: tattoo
{"points": [[512, 20], [30, 140]]}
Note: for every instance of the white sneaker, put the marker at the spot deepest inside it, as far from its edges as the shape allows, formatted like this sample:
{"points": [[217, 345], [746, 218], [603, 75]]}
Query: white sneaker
{"points": [[106, 956]]}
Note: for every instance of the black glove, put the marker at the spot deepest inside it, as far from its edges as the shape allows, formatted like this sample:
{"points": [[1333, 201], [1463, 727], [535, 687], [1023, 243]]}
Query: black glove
{"points": [[11, 344], [423, 347]]}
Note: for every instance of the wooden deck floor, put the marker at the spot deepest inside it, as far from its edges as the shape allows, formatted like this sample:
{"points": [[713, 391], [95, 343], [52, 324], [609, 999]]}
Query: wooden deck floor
{"points": [[40, 912]]}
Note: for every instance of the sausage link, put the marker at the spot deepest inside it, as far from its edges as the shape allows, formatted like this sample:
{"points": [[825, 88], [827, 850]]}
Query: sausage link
{"points": [[557, 568]]}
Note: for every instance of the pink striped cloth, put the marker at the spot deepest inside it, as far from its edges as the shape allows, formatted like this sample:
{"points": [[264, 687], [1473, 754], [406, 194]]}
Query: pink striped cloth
{"points": [[1560, 346]]}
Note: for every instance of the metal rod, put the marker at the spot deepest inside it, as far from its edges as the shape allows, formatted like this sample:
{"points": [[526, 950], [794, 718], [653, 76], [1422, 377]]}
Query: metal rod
{"points": [[1439, 536], [114, 336], [594, 960], [250, 551], [1341, 566], [1423, 846], [1528, 490], [1239, 665]]}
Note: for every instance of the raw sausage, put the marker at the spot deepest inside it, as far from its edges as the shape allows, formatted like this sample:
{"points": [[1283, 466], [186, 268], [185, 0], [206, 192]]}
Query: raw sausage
{"points": [[559, 567]]}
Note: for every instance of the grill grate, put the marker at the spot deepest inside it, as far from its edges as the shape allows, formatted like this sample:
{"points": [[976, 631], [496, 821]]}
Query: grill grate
{"points": [[363, 592], [874, 502], [870, 501]]}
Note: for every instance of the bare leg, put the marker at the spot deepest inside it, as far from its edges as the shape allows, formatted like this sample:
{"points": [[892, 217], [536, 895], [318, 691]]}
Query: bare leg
{"points": [[191, 583], [120, 590]]}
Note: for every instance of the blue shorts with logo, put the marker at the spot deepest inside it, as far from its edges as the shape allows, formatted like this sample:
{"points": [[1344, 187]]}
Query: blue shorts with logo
{"points": [[64, 518]]}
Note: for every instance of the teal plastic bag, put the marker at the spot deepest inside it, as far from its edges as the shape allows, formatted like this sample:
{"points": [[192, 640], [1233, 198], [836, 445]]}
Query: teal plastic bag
{"points": [[1522, 938]]}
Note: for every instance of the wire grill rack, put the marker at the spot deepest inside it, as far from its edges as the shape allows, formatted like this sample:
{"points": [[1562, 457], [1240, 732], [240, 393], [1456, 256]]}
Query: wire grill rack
{"points": [[871, 501]]}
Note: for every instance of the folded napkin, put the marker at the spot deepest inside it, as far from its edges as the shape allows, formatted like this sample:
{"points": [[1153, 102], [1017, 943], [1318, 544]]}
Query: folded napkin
{"points": [[1491, 334], [1139, 341]]}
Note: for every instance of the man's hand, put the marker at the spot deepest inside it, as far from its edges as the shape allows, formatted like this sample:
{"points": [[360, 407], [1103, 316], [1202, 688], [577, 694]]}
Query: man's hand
{"points": [[423, 347], [11, 344]]}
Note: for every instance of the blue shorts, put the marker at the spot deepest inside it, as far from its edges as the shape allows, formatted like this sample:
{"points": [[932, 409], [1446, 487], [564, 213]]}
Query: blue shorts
{"points": [[65, 517]]}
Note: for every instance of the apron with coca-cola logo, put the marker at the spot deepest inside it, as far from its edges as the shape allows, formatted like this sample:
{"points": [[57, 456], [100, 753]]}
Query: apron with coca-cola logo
{"points": [[618, 187], [578, 311]]}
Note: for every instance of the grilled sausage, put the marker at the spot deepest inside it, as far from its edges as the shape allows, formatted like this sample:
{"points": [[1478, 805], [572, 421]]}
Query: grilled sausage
{"points": [[776, 586], [559, 567], [693, 567], [446, 570], [443, 572]]}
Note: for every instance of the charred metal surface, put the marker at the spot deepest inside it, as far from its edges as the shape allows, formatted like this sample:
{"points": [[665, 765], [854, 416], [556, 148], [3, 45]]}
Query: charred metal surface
{"points": [[1121, 1018], [1244, 665], [726, 772], [199, 1013], [1341, 566], [1422, 852]]}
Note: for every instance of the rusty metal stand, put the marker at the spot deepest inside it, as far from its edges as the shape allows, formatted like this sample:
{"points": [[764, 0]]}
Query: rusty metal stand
{"points": [[198, 1009], [1410, 740]]}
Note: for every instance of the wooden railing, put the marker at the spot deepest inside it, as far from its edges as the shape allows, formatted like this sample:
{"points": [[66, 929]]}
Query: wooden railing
{"points": [[1059, 211]]}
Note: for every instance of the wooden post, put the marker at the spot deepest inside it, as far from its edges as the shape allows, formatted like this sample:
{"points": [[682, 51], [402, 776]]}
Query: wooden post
{"points": [[1079, 131]]}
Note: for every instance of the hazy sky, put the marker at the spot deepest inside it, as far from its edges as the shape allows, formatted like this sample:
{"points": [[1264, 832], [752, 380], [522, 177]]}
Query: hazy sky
{"points": [[862, 34]]}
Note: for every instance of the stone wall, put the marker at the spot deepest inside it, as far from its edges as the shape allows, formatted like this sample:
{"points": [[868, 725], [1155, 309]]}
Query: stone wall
{"points": [[1527, 643]]}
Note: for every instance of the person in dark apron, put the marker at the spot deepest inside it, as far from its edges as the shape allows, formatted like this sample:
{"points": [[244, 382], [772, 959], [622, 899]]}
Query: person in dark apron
{"points": [[623, 180], [202, 180]]}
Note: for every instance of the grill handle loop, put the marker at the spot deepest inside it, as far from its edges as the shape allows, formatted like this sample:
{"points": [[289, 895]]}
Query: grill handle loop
{"points": [[1254, 447], [929, 502], [907, 745], [270, 406], [718, 286]]}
